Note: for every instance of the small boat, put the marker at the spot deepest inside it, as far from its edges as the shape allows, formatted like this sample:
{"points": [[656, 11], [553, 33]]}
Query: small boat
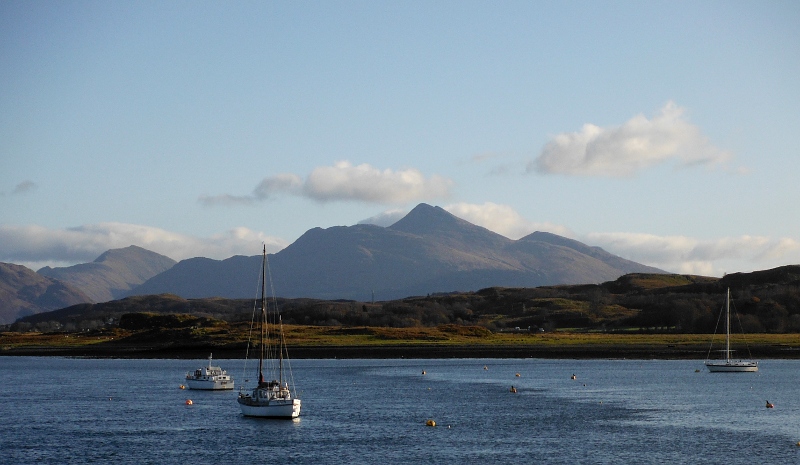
{"points": [[209, 378], [273, 398], [729, 365]]}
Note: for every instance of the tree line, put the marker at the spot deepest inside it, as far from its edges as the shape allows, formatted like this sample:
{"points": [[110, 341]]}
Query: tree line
{"points": [[763, 302]]}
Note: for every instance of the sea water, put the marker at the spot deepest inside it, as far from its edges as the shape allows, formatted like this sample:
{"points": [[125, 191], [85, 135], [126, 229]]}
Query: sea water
{"points": [[72, 410]]}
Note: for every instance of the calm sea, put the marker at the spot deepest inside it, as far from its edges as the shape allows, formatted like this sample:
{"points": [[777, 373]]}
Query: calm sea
{"points": [[65, 410]]}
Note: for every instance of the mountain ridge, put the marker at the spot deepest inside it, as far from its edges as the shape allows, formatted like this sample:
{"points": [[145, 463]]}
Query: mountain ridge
{"points": [[24, 292], [113, 273], [429, 250]]}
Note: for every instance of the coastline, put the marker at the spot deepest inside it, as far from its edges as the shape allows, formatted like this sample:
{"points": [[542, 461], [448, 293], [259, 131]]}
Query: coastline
{"points": [[410, 351]]}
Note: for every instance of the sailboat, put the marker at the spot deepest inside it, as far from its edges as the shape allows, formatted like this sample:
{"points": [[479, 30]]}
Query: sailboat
{"points": [[729, 365], [273, 398]]}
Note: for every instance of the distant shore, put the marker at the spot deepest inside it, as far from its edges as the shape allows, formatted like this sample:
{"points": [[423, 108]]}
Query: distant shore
{"points": [[417, 351]]}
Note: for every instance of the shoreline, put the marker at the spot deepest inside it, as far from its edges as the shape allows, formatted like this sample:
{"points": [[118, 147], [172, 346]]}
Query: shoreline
{"points": [[420, 351]]}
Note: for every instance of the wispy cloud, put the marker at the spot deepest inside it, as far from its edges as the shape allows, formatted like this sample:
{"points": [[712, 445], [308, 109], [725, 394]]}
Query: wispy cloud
{"points": [[36, 246], [387, 218], [711, 257], [624, 150], [21, 188], [502, 219], [346, 182]]}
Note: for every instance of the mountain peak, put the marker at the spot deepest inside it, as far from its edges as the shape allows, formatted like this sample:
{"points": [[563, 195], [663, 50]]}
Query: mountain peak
{"points": [[425, 219]]}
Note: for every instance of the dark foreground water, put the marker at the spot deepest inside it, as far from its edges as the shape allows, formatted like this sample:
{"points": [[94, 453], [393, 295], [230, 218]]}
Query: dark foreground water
{"points": [[61, 410]]}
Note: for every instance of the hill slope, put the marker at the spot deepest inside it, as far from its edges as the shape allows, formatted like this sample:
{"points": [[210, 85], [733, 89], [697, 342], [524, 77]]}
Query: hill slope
{"points": [[113, 273], [24, 292]]}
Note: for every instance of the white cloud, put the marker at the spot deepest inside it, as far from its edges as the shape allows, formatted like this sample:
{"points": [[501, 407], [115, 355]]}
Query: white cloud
{"points": [[35, 246], [345, 182], [502, 219], [623, 150], [687, 255]]}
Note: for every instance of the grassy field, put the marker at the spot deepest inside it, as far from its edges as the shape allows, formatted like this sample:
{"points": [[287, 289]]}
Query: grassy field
{"points": [[447, 340]]}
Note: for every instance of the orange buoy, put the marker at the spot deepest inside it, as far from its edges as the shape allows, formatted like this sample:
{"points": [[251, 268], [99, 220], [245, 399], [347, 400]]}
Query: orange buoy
{"points": [[430, 423], [182, 386], [517, 375], [189, 402]]}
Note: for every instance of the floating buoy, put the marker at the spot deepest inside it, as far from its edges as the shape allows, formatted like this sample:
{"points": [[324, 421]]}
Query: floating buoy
{"points": [[189, 402], [697, 370], [430, 423], [798, 444], [769, 405], [513, 389], [517, 375], [182, 386], [423, 372], [485, 367], [574, 377]]}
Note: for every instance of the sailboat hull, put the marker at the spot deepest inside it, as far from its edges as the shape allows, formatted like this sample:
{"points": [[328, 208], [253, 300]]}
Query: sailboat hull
{"points": [[275, 408], [732, 367]]}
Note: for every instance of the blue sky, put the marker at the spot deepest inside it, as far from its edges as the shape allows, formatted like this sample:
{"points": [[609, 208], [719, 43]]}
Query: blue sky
{"points": [[664, 132]]}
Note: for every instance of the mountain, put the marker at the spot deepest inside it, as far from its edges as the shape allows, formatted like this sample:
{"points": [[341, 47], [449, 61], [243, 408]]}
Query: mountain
{"points": [[113, 273], [427, 251], [23, 292]]}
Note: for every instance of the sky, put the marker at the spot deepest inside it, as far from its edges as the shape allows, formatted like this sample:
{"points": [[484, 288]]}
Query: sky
{"points": [[664, 132]]}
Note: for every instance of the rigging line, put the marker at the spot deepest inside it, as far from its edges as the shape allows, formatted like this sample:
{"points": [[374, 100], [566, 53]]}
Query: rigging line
{"points": [[741, 328], [259, 284], [711, 345], [281, 349], [272, 350]]}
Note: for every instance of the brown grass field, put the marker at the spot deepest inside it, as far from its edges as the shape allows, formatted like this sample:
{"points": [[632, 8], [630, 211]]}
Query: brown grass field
{"points": [[381, 342]]}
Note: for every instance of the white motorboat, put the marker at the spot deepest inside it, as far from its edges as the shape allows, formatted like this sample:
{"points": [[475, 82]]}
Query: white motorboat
{"points": [[209, 378], [273, 398], [729, 365]]}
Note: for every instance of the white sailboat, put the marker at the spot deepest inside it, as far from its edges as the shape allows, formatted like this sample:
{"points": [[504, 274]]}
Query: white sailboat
{"points": [[729, 365], [209, 378], [273, 398]]}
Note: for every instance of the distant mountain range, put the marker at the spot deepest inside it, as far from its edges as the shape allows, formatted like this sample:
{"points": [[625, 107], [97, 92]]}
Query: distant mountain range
{"points": [[428, 251], [24, 292], [113, 273]]}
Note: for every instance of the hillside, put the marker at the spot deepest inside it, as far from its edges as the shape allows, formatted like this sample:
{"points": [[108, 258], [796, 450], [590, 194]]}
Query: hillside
{"points": [[113, 273], [764, 302], [24, 292], [427, 251]]}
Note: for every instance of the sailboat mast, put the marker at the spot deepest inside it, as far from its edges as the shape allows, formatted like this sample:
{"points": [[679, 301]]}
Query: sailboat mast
{"points": [[263, 316], [728, 325]]}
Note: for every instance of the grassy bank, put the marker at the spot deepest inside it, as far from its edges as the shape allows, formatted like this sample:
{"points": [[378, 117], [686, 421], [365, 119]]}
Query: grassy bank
{"points": [[377, 342]]}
